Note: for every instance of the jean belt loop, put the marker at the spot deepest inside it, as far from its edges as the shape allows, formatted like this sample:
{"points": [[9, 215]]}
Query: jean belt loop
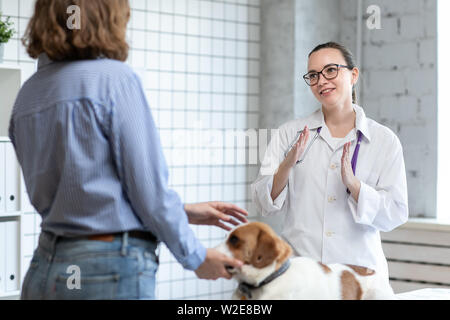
{"points": [[124, 243]]}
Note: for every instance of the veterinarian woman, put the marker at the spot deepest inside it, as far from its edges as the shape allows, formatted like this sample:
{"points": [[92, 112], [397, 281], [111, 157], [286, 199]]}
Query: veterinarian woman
{"points": [[94, 167], [342, 180]]}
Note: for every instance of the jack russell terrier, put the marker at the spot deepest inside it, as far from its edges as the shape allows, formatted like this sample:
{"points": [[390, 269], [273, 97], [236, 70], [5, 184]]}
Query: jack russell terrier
{"points": [[270, 273]]}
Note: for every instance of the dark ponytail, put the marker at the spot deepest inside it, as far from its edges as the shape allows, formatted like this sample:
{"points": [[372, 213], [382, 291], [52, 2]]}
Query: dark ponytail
{"points": [[348, 57]]}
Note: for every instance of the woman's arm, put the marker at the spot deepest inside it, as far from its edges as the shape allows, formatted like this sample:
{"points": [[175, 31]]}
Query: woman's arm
{"points": [[270, 187], [280, 180], [384, 206], [281, 177], [142, 169]]}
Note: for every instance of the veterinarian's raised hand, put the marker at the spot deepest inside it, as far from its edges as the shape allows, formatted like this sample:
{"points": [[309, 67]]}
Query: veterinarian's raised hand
{"points": [[281, 177], [215, 213], [348, 178], [297, 150], [214, 266]]}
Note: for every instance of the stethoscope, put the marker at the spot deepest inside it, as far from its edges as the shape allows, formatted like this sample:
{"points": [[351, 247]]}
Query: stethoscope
{"points": [[355, 153]]}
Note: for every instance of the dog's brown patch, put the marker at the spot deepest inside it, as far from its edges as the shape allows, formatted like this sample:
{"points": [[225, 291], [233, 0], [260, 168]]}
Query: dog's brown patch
{"points": [[362, 271], [258, 245], [325, 268], [351, 289], [285, 252]]}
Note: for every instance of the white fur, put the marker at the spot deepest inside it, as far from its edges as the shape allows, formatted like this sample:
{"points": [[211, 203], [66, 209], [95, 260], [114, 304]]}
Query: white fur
{"points": [[305, 279]]}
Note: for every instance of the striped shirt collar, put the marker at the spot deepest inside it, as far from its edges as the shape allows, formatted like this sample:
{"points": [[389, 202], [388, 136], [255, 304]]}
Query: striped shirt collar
{"points": [[43, 60]]}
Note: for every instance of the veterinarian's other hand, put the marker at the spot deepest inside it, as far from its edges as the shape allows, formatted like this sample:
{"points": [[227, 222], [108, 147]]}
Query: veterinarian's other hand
{"points": [[215, 213], [214, 265], [348, 178]]}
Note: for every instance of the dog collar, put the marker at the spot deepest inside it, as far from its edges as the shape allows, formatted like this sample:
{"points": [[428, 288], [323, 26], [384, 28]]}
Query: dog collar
{"points": [[246, 288]]}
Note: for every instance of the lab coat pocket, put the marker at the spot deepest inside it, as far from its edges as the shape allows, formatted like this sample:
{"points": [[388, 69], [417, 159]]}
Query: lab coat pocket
{"points": [[369, 177]]}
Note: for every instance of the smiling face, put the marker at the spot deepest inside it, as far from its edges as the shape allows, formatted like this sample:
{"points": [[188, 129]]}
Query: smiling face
{"points": [[337, 91]]}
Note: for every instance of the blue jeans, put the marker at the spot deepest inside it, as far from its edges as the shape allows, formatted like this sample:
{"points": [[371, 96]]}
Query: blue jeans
{"points": [[64, 268]]}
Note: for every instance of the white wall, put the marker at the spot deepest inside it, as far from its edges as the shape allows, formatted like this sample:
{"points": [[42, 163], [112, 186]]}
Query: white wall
{"points": [[199, 63], [399, 85]]}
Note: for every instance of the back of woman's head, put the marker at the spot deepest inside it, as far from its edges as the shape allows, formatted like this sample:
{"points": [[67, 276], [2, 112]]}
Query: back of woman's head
{"points": [[101, 33]]}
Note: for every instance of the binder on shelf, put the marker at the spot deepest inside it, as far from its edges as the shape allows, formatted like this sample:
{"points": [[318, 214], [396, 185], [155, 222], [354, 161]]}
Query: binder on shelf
{"points": [[2, 257], [2, 178], [12, 255], [25, 204], [12, 179]]}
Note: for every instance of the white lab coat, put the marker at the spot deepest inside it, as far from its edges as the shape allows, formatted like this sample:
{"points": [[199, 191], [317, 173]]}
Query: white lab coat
{"points": [[322, 221]]}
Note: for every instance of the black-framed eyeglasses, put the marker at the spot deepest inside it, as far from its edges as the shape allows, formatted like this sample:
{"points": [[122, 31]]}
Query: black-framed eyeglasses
{"points": [[329, 72]]}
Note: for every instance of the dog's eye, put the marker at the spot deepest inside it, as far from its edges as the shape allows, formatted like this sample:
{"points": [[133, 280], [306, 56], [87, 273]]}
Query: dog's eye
{"points": [[233, 240], [259, 258]]}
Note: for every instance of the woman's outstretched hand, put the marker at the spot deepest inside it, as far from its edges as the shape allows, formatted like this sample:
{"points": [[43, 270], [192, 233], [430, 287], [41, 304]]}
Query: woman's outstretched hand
{"points": [[215, 213]]}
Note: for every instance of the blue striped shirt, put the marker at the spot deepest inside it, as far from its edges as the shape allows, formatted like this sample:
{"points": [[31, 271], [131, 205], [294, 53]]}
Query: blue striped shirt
{"points": [[91, 155]]}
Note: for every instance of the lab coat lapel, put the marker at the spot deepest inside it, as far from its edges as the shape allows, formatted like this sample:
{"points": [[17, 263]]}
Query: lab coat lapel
{"points": [[361, 125], [326, 135], [361, 122], [317, 120]]}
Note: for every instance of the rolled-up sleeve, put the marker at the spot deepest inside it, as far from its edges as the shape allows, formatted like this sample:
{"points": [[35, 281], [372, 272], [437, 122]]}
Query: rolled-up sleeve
{"points": [[143, 171], [261, 190], [384, 206], [262, 187]]}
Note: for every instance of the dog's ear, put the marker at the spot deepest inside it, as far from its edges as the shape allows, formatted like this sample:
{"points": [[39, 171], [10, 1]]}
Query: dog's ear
{"points": [[285, 251], [266, 251]]}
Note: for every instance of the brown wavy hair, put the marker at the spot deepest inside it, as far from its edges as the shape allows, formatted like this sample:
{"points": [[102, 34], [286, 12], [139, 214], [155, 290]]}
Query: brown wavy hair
{"points": [[102, 32]]}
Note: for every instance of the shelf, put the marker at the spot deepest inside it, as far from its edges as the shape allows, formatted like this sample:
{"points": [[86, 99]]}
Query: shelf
{"points": [[4, 66], [427, 224], [10, 295], [10, 214]]}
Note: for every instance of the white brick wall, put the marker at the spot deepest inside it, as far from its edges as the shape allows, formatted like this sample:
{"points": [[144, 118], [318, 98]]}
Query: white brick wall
{"points": [[398, 80], [399, 85]]}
